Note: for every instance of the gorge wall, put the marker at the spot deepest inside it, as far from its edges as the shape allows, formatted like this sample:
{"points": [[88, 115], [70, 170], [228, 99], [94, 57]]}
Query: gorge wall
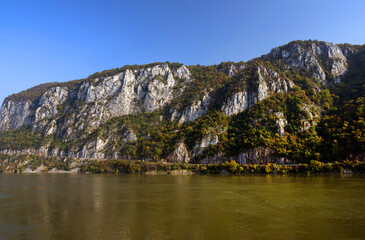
{"points": [[98, 117]]}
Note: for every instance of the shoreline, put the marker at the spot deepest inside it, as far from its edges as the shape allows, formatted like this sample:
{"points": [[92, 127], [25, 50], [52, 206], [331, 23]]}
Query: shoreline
{"points": [[32, 164]]}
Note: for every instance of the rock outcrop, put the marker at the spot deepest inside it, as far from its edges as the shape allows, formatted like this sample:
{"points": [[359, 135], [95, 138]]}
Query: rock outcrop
{"points": [[142, 90], [15, 114], [193, 112], [313, 113], [260, 155], [309, 58], [232, 69], [208, 140], [269, 83], [281, 122], [181, 154]]}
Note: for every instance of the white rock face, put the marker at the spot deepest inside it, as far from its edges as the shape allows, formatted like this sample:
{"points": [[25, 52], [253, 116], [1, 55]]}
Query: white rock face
{"points": [[17, 114], [314, 113], [122, 102], [14, 115], [294, 55], [95, 102], [195, 111], [232, 69], [338, 59], [49, 101], [281, 122], [183, 73], [236, 104], [51, 128], [129, 92], [269, 82], [146, 89], [129, 136], [262, 91], [92, 93], [94, 149], [181, 154], [260, 155], [209, 139]]}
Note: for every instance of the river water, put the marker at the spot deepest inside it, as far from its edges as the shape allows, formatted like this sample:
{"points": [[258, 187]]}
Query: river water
{"points": [[77, 206]]}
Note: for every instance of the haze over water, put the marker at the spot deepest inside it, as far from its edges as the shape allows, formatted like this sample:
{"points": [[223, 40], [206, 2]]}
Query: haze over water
{"points": [[62, 206]]}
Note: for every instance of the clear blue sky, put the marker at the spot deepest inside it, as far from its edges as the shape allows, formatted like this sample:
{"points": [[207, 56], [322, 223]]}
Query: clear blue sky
{"points": [[62, 40]]}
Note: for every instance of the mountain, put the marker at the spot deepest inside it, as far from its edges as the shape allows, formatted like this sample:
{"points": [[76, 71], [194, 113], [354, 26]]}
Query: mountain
{"points": [[302, 101]]}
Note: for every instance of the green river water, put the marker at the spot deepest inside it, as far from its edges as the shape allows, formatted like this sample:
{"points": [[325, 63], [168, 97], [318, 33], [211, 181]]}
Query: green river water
{"points": [[78, 206]]}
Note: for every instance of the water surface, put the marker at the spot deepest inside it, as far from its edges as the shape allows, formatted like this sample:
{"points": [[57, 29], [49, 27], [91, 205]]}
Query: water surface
{"points": [[67, 206]]}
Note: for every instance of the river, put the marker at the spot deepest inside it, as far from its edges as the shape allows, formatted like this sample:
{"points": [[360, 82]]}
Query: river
{"points": [[78, 206]]}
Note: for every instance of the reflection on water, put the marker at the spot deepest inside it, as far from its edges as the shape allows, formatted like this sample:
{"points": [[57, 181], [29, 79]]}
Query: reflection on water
{"points": [[181, 207]]}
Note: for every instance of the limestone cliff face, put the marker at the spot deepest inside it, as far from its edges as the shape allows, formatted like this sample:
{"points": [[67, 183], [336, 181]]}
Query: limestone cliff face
{"points": [[295, 55], [205, 142], [193, 112], [180, 154], [260, 155], [281, 122], [15, 114], [142, 90], [269, 83], [313, 115], [232, 69], [49, 102], [131, 91], [77, 113]]}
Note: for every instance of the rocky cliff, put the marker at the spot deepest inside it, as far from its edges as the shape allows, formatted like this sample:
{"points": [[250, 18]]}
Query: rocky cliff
{"points": [[104, 116]]}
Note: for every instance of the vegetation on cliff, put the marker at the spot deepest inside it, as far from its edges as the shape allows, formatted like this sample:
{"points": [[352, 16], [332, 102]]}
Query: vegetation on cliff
{"points": [[320, 121]]}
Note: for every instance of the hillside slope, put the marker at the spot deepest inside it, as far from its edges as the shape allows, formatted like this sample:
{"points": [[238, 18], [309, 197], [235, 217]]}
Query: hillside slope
{"points": [[302, 101]]}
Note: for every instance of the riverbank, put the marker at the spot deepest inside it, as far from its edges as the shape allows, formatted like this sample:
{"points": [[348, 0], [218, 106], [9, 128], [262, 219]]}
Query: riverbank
{"points": [[41, 164], [232, 167]]}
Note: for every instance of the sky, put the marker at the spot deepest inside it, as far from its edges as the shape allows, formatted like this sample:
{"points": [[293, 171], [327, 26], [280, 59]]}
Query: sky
{"points": [[63, 40]]}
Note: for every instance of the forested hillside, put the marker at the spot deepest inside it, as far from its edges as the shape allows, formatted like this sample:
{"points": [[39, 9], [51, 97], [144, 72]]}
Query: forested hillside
{"points": [[302, 101]]}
